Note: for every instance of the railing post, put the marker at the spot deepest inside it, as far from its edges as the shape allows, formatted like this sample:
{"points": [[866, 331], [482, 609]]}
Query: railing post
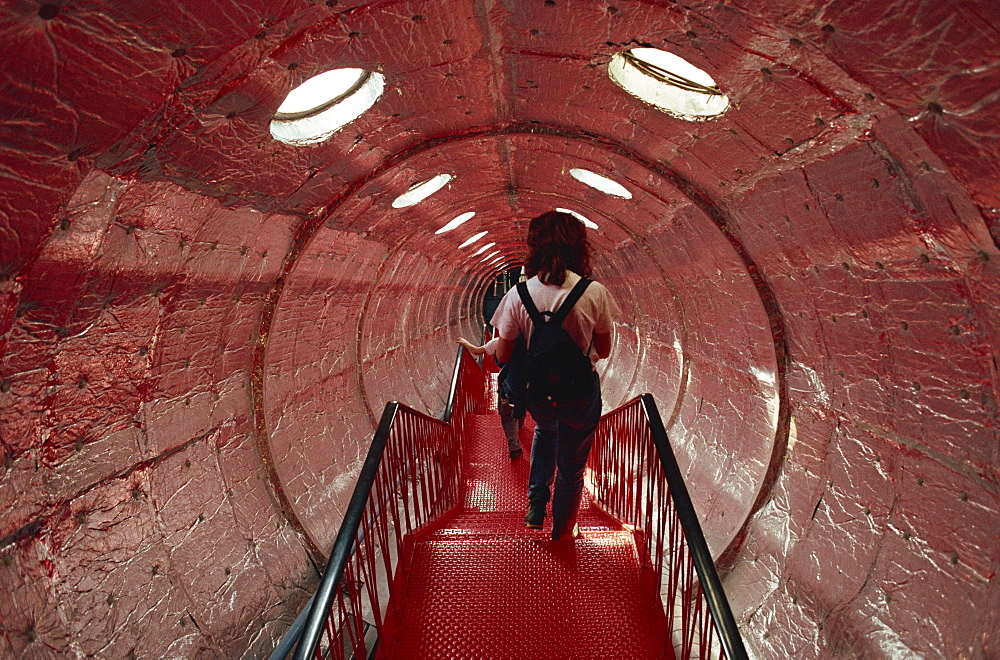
{"points": [[715, 595]]}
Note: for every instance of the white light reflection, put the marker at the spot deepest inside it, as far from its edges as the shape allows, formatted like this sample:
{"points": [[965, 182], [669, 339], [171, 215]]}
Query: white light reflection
{"points": [[473, 239], [421, 191], [600, 182], [456, 222], [483, 249], [582, 218]]}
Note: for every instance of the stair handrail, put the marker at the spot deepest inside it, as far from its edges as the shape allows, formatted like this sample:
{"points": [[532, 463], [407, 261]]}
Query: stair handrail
{"points": [[346, 542], [715, 595], [622, 426]]}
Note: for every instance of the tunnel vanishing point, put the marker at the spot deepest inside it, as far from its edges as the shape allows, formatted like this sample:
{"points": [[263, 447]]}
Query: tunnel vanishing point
{"points": [[207, 294]]}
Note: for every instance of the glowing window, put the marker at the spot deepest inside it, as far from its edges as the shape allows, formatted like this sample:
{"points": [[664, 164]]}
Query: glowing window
{"points": [[324, 104], [579, 216], [418, 192], [602, 183], [483, 249], [473, 239], [456, 222], [668, 82]]}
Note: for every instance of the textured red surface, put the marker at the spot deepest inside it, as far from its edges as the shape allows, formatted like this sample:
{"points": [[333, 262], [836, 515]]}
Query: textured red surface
{"points": [[196, 322], [480, 585]]}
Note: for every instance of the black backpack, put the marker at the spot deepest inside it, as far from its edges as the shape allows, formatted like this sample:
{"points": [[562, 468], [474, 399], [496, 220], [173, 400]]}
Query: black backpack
{"points": [[555, 371]]}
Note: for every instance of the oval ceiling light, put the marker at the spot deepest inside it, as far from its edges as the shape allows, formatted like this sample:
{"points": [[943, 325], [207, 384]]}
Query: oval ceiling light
{"points": [[491, 256], [579, 216], [455, 222], [483, 249], [324, 104], [602, 183], [418, 192], [668, 82], [473, 239]]}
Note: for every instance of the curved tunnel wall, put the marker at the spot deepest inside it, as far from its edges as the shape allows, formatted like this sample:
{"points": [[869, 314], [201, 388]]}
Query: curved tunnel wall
{"points": [[200, 324]]}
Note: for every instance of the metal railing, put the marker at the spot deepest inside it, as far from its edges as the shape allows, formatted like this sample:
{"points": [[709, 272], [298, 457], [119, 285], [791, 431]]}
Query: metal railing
{"points": [[410, 477], [634, 476]]}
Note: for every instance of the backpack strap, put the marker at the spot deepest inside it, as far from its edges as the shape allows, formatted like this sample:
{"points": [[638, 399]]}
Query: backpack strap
{"points": [[529, 304], [571, 299], [564, 308]]}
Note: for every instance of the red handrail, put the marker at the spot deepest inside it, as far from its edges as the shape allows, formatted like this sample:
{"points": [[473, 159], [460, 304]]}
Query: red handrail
{"points": [[633, 475]]}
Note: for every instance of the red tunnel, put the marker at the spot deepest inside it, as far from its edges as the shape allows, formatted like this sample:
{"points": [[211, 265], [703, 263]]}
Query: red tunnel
{"points": [[201, 317]]}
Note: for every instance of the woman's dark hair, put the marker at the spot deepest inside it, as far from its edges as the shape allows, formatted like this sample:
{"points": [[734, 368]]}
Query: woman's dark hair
{"points": [[557, 242]]}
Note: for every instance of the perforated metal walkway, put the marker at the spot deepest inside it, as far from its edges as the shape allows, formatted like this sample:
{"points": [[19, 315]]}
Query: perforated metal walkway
{"points": [[478, 584]]}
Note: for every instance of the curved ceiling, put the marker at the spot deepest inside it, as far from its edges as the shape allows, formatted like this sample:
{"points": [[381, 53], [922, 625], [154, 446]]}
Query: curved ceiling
{"points": [[200, 323]]}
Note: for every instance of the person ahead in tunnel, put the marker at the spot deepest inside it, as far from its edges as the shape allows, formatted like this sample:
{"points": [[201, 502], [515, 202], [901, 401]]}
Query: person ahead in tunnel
{"points": [[558, 259]]}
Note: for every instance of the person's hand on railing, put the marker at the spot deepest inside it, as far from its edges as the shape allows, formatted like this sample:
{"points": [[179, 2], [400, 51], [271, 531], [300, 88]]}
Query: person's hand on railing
{"points": [[473, 348]]}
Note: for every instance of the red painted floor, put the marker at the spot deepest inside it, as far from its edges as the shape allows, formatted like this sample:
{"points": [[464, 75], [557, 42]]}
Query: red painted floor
{"points": [[481, 585]]}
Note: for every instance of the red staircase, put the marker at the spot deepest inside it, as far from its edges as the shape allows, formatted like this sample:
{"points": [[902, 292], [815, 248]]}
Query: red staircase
{"points": [[433, 560], [478, 584]]}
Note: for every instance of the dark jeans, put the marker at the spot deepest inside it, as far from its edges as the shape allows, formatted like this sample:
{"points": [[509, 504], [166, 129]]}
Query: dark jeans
{"points": [[563, 436]]}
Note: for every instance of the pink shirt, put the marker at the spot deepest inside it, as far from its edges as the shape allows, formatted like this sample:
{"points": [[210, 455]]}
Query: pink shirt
{"points": [[595, 312]]}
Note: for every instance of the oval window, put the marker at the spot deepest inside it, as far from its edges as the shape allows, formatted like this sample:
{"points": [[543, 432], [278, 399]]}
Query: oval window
{"points": [[668, 82], [324, 104]]}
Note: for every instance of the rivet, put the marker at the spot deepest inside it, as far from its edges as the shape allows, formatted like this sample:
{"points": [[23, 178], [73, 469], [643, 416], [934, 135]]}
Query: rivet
{"points": [[612, 10], [691, 34], [110, 598], [954, 558], [82, 383], [964, 496], [829, 29], [789, 140], [875, 183], [178, 52], [293, 66], [839, 197], [864, 313], [956, 330], [984, 256], [819, 121], [533, 32], [920, 481], [869, 96], [30, 635], [353, 35], [964, 394], [904, 325], [906, 535], [260, 35], [795, 43], [916, 385], [229, 571], [880, 265], [448, 42], [846, 265], [331, 3], [182, 622], [7, 560], [867, 511], [5, 385], [888, 597], [48, 12], [8, 461], [935, 108], [550, 3], [201, 517], [765, 71], [81, 519], [416, 18], [187, 463]]}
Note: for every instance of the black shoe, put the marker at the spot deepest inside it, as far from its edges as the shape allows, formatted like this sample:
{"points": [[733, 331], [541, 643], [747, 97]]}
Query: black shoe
{"points": [[535, 516], [514, 453]]}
